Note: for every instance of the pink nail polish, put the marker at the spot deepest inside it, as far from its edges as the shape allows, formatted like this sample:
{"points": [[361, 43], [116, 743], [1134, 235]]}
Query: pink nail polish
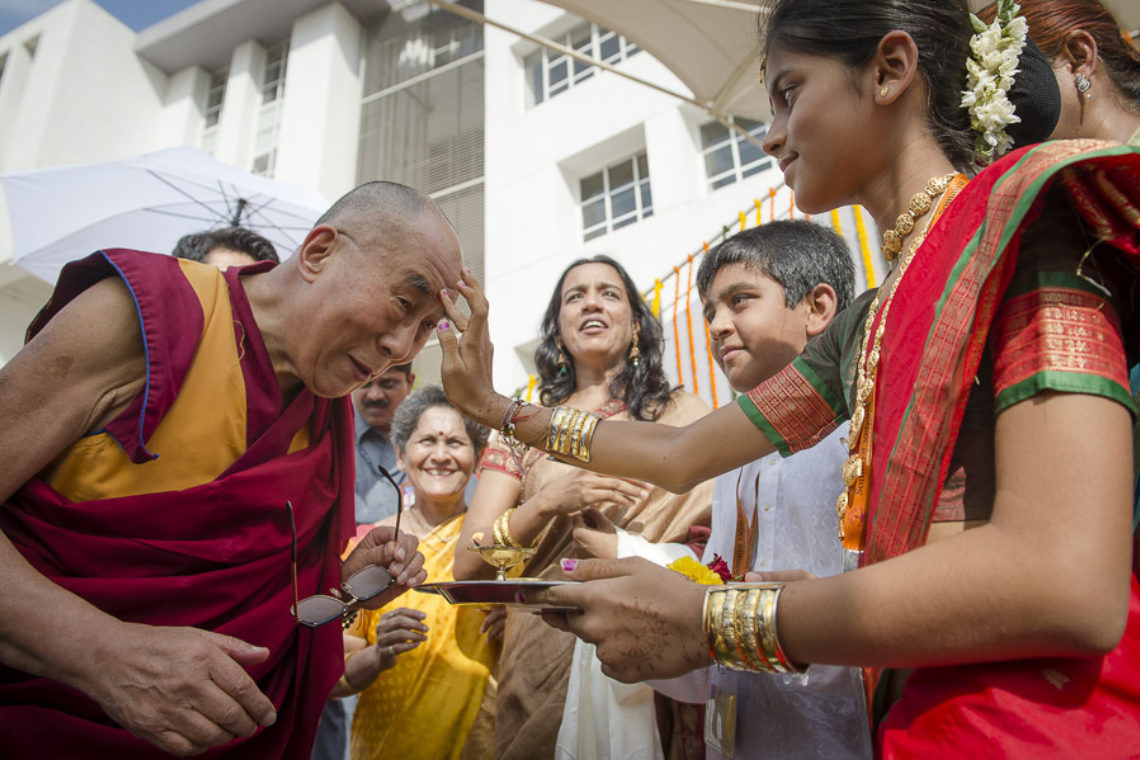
{"points": [[444, 325], [568, 565]]}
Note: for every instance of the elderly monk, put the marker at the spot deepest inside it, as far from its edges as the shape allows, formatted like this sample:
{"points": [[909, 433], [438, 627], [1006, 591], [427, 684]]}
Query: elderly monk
{"points": [[156, 423]]}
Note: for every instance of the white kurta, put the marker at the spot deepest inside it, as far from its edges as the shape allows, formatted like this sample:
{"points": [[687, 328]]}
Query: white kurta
{"points": [[820, 714]]}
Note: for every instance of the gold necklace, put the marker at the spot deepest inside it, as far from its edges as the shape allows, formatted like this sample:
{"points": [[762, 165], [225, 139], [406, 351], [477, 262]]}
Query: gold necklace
{"points": [[868, 362]]}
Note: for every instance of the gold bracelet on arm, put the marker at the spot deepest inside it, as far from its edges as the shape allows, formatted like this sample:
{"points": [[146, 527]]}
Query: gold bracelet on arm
{"points": [[502, 529], [740, 627], [343, 682]]}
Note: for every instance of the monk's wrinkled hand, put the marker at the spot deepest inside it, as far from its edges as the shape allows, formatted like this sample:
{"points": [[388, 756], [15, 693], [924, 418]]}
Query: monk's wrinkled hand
{"points": [[645, 620], [184, 690], [468, 354], [396, 554]]}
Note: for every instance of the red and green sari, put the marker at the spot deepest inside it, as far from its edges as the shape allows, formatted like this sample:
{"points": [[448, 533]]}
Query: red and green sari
{"points": [[174, 514], [984, 318]]}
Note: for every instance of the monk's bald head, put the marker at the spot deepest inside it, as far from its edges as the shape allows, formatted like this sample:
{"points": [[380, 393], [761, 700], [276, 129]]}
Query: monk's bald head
{"points": [[382, 210]]}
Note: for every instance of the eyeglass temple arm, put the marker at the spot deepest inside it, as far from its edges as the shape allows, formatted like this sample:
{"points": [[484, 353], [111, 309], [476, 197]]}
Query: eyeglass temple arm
{"points": [[293, 559]]}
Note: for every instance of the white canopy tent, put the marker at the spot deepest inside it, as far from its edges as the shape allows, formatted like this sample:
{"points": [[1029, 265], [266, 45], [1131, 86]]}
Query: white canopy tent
{"points": [[712, 46]]}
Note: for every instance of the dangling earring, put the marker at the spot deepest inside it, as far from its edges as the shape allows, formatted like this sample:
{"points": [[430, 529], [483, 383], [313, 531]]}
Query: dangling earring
{"points": [[1084, 92], [634, 351], [1083, 85], [563, 363]]}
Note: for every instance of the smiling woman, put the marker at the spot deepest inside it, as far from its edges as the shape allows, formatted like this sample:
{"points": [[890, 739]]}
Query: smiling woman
{"points": [[439, 659], [601, 351]]}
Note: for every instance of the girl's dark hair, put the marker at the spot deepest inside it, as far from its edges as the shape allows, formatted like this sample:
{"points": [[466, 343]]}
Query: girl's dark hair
{"points": [[644, 388], [850, 30], [1051, 22]]}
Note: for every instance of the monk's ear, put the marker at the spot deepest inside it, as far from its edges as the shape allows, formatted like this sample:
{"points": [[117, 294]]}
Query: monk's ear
{"points": [[318, 246], [401, 464]]}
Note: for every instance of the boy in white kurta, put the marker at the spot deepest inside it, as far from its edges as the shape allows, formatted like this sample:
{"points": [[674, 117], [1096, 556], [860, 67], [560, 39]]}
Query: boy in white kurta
{"points": [[766, 292]]}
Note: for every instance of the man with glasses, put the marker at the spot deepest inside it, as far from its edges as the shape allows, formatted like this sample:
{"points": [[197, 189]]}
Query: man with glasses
{"points": [[375, 403], [178, 475]]}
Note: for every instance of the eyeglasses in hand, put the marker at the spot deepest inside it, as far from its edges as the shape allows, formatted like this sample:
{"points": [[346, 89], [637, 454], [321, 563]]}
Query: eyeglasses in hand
{"points": [[365, 584]]}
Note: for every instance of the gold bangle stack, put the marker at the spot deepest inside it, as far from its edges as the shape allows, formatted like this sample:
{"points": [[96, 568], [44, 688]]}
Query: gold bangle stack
{"points": [[740, 627], [571, 432], [501, 529], [343, 682]]}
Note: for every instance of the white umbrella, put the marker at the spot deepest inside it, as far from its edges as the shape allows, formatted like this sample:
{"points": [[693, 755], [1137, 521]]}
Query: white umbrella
{"points": [[64, 213]]}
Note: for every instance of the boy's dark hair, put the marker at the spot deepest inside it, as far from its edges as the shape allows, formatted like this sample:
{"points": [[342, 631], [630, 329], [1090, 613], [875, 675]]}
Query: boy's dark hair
{"points": [[195, 246], [797, 254]]}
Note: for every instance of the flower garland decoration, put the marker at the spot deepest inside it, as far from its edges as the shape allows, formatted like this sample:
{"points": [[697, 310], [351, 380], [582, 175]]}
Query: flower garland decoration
{"points": [[716, 573], [990, 69]]}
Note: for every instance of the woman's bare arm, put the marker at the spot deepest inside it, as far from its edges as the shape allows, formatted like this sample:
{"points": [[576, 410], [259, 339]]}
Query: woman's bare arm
{"points": [[1047, 576], [675, 458]]}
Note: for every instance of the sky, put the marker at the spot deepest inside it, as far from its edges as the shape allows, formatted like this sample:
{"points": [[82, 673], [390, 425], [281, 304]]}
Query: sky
{"points": [[137, 14]]}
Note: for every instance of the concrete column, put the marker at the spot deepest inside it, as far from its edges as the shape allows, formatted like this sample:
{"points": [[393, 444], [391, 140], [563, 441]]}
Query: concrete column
{"points": [[238, 120], [320, 120], [13, 84], [182, 117]]}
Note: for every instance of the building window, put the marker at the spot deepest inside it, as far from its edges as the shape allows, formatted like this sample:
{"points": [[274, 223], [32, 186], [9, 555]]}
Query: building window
{"points": [[269, 118], [729, 156], [617, 196], [214, 97], [422, 112], [551, 73]]}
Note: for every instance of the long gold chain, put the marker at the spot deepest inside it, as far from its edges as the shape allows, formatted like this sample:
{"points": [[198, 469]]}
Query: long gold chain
{"points": [[868, 362]]}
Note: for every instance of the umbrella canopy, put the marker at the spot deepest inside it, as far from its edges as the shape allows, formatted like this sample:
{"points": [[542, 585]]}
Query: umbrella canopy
{"points": [[64, 213]]}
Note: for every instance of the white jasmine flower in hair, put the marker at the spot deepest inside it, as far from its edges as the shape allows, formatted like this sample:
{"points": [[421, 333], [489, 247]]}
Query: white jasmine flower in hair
{"points": [[990, 72]]}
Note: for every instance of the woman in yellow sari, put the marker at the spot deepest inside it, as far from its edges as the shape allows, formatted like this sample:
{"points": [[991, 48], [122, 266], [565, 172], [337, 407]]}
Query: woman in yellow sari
{"points": [[421, 665]]}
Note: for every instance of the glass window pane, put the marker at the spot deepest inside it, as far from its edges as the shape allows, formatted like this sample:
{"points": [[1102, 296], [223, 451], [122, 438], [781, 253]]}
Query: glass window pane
{"points": [[610, 48], [727, 179], [592, 186], [595, 233], [718, 161], [642, 167], [757, 168], [624, 202], [618, 224], [558, 71], [621, 175], [593, 213], [646, 199], [583, 74], [750, 152], [713, 133]]}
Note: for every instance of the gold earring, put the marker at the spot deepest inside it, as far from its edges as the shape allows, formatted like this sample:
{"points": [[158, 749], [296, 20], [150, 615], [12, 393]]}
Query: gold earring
{"points": [[562, 363], [634, 352], [884, 92]]}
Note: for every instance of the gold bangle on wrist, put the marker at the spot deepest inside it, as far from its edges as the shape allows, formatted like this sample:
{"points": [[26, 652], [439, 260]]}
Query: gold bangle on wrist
{"points": [[785, 662], [740, 627], [343, 682], [502, 529]]}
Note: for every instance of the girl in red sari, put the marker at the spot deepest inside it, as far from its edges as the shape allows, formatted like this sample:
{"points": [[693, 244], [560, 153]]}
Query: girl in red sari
{"points": [[989, 513]]}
